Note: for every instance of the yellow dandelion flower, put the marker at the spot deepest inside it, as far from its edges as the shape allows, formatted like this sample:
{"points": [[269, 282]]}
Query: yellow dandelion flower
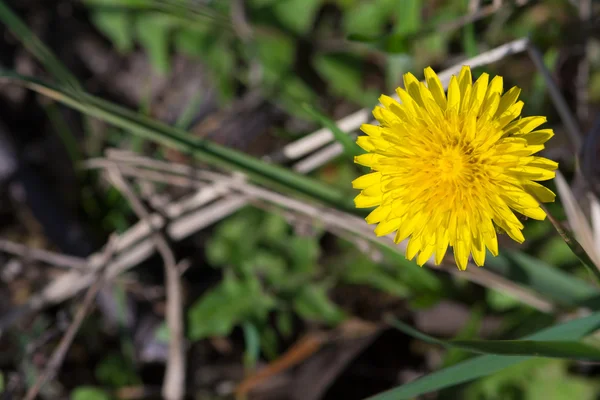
{"points": [[448, 170]]}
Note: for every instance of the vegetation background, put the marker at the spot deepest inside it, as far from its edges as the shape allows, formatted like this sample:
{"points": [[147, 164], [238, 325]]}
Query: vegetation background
{"points": [[279, 300]]}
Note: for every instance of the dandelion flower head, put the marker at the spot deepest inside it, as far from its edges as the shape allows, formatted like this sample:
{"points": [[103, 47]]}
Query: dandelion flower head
{"points": [[452, 170]]}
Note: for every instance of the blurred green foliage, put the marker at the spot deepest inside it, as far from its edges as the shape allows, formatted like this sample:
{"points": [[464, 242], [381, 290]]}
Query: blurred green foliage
{"points": [[89, 393], [269, 271], [537, 379], [114, 370]]}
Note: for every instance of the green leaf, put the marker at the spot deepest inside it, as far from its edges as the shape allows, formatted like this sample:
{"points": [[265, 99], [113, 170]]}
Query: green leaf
{"points": [[485, 365], [369, 18], [344, 73], [252, 341], [276, 53], [304, 251], [285, 323], [230, 303], [89, 393], [408, 17], [269, 342], [297, 15], [364, 271], [218, 252], [116, 371], [274, 228], [117, 26], [153, 31], [501, 301], [563, 288], [347, 141], [531, 380], [1, 382], [312, 303]]}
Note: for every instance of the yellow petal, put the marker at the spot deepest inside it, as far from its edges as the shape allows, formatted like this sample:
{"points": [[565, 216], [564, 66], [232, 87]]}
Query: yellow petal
{"points": [[425, 254], [371, 130], [414, 245], [387, 227], [540, 192], [407, 101], [365, 143], [491, 241], [406, 229], [540, 136], [411, 84], [362, 201], [385, 116], [368, 160], [513, 112], [435, 87], [378, 214], [535, 213], [478, 250], [453, 96], [488, 108], [543, 163], [373, 191], [525, 125], [495, 87], [508, 99], [461, 255], [441, 245], [387, 101], [533, 173], [464, 79], [465, 100], [367, 180], [478, 94]]}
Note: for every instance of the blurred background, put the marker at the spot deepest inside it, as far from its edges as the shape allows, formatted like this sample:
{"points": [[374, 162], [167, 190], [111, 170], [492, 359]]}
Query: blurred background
{"points": [[276, 304]]}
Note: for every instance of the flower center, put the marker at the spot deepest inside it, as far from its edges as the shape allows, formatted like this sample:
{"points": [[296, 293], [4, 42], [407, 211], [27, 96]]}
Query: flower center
{"points": [[452, 164]]}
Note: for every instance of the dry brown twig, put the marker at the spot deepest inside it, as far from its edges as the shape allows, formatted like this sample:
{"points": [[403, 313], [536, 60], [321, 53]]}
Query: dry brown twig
{"points": [[45, 256], [174, 381]]}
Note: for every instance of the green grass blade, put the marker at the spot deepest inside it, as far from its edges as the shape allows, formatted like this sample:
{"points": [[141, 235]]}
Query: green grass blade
{"points": [[549, 348], [202, 149], [350, 147], [486, 365], [36, 47]]}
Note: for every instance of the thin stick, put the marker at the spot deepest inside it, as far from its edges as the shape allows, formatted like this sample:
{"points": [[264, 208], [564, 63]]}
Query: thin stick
{"points": [[574, 246], [61, 350], [174, 381], [48, 257], [59, 354]]}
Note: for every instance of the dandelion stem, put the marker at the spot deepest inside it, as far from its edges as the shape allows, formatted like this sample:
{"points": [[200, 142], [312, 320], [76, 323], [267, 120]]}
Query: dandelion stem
{"points": [[574, 245]]}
